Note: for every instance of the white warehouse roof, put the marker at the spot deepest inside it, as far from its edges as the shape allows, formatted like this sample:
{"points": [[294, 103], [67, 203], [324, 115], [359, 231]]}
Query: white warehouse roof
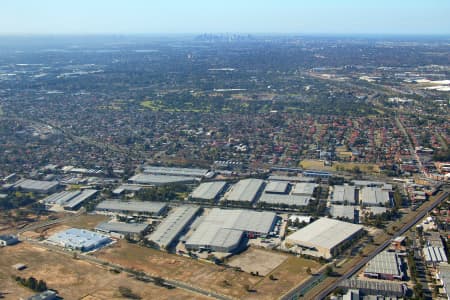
{"points": [[304, 189], [374, 196], [278, 187], [170, 228], [208, 190], [325, 233], [245, 190], [160, 179], [342, 193], [277, 199]]}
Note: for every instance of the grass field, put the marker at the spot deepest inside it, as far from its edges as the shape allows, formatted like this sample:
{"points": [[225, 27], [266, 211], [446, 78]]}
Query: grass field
{"points": [[315, 164], [74, 279]]}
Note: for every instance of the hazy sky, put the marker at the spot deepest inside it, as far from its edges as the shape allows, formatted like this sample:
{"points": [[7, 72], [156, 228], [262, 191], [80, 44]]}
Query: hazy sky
{"points": [[209, 16]]}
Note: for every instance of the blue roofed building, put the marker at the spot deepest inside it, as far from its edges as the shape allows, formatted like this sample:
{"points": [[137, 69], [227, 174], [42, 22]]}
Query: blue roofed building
{"points": [[79, 239]]}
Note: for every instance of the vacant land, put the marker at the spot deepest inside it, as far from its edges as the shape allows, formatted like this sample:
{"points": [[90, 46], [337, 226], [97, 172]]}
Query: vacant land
{"points": [[258, 260], [73, 278], [315, 164], [208, 276]]}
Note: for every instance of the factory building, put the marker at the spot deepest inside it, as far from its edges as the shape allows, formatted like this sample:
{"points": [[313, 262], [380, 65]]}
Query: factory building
{"points": [[132, 208], [374, 196], [304, 189], [79, 239], [341, 194], [346, 212], [277, 187], [37, 186], [120, 229], [188, 172], [283, 200], [375, 288], [224, 230], [154, 179], [209, 191], [443, 274], [386, 265], [246, 190], [168, 232], [324, 237]]}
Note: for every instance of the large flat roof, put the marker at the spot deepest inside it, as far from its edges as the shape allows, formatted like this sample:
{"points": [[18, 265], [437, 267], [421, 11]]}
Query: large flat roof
{"points": [[208, 190], [325, 233], [79, 238], [132, 206], [385, 263], [80, 198], [36, 185], [160, 179], [224, 228], [343, 193], [277, 199], [121, 227], [304, 189], [175, 222], [278, 187], [245, 190], [343, 211], [374, 196], [61, 198], [192, 172]]}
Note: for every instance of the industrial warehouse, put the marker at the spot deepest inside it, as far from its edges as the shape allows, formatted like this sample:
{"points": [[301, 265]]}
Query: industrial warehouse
{"points": [[37, 186], [79, 239], [134, 208], [386, 265], [154, 179], [246, 190], [223, 230], [341, 194], [173, 226], [121, 230], [209, 191], [279, 193], [69, 200], [324, 237]]}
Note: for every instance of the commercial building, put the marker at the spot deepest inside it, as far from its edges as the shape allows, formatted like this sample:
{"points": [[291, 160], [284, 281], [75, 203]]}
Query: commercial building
{"points": [[8, 240], [434, 255], [189, 172], [76, 201], [137, 208], [168, 232], [386, 265], [372, 287], [291, 178], [223, 230], [120, 229], [37, 186], [284, 200], [374, 196], [324, 237], [304, 189], [341, 194], [209, 191], [347, 212], [246, 190], [79, 239], [152, 179], [277, 187]]}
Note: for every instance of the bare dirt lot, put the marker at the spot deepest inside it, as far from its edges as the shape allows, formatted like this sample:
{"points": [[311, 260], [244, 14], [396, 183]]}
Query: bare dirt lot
{"points": [[219, 279], [72, 278], [257, 260]]}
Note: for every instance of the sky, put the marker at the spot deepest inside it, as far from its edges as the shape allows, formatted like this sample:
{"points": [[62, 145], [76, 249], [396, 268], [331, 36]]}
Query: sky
{"points": [[225, 16]]}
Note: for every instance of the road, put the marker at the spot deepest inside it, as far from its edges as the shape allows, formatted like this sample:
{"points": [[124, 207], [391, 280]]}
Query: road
{"points": [[296, 292]]}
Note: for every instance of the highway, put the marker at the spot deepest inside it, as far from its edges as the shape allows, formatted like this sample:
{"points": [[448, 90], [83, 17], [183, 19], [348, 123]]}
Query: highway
{"points": [[296, 292]]}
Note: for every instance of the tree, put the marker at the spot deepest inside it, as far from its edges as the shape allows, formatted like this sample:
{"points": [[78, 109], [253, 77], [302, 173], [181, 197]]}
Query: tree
{"points": [[308, 271], [329, 271], [41, 286]]}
